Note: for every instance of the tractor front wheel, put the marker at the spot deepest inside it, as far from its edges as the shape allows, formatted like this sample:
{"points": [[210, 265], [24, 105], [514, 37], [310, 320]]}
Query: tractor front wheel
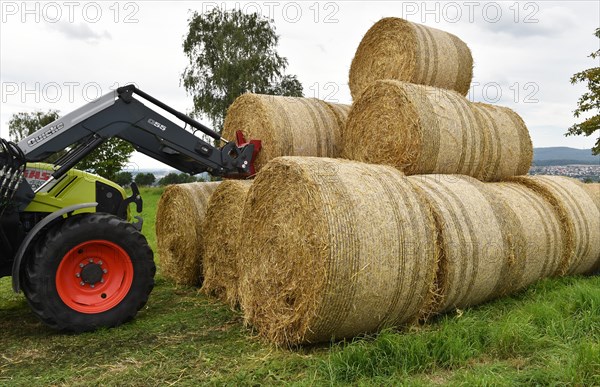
{"points": [[90, 271]]}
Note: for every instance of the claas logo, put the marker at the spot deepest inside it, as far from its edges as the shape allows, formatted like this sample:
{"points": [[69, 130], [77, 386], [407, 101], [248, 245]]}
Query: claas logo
{"points": [[37, 174]]}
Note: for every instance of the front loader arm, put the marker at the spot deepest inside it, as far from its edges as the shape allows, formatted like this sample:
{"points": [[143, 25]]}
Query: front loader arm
{"points": [[119, 114]]}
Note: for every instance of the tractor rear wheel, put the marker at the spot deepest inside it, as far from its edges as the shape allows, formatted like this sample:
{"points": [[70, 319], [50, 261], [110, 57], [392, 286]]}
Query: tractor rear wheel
{"points": [[90, 271]]}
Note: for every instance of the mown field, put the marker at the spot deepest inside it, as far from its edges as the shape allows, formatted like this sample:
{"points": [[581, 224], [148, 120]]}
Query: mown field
{"points": [[546, 335]]}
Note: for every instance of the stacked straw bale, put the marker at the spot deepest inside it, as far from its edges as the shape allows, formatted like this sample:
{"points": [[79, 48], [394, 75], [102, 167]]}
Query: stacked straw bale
{"points": [[287, 126], [474, 264], [338, 245], [223, 240], [424, 130], [535, 233], [341, 112], [579, 216], [593, 189], [397, 49], [338, 248], [179, 230], [508, 150]]}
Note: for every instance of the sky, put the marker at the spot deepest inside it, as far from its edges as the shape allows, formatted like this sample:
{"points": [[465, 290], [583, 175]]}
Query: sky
{"points": [[63, 54]]}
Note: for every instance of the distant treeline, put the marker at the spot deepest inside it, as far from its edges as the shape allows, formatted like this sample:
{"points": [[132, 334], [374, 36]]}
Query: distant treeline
{"points": [[543, 157]]}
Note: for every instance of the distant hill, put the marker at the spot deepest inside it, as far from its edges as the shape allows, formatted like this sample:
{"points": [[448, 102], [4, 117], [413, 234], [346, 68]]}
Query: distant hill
{"points": [[563, 156]]}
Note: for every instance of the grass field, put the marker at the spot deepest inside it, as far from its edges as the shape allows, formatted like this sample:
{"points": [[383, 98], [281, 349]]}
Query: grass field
{"points": [[546, 335]]}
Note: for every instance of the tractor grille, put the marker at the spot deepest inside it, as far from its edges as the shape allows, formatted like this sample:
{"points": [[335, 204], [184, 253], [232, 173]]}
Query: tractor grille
{"points": [[12, 166]]}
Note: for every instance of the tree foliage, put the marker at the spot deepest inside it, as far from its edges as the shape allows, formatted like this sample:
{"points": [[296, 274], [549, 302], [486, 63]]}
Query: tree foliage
{"points": [[589, 101], [231, 53], [108, 159], [23, 124], [105, 161], [123, 178], [145, 179], [178, 178]]}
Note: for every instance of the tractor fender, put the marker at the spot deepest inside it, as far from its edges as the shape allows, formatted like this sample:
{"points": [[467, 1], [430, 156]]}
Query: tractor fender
{"points": [[16, 268]]}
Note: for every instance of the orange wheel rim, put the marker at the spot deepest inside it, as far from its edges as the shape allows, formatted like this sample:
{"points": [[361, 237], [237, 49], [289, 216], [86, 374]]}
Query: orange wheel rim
{"points": [[94, 276]]}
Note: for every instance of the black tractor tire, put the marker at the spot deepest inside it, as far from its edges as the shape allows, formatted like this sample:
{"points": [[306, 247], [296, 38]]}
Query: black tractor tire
{"points": [[90, 271]]}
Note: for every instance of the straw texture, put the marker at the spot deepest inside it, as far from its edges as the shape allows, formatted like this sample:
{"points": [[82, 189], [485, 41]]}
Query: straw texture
{"points": [[287, 126], [424, 130], [338, 248], [593, 189], [179, 230], [579, 216], [474, 251], [535, 230], [395, 48], [224, 239], [341, 112], [508, 148], [417, 129]]}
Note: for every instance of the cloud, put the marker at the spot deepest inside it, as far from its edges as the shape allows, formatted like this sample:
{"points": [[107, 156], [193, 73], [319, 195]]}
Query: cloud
{"points": [[81, 31], [322, 48]]}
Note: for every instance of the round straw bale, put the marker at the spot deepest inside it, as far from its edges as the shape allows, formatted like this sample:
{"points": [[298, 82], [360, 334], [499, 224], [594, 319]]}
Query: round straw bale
{"points": [[579, 216], [223, 240], [417, 129], [338, 248], [593, 189], [179, 230], [395, 48], [341, 112], [535, 230], [508, 149], [474, 252], [287, 126]]}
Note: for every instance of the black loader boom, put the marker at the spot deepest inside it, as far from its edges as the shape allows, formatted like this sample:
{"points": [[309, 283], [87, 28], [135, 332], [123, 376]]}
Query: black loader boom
{"points": [[66, 236], [119, 114]]}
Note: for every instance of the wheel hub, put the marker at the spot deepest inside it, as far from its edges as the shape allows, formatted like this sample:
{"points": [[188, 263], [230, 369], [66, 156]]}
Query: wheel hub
{"points": [[94, 276], [91, 273]]}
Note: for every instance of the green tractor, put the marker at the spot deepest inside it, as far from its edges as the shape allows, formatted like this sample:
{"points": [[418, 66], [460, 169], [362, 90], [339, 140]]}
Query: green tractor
{"points": [[67, 237], [87, 264]]}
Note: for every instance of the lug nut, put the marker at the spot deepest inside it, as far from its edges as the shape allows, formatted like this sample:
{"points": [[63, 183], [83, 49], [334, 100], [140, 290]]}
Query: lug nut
{"points": [[81, 265], [77, 275], [105, 271], [92, 286], [91, 260], [100, 263], [82, 283], [102, 281]]}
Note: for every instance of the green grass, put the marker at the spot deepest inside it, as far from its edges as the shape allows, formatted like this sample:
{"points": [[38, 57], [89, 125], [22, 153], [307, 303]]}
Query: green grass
{"points": [[546, 335], [549, 334], [150, 197]]}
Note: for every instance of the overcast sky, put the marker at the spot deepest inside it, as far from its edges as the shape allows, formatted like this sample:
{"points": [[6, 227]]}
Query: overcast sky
{"points": [[59, 55]]}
